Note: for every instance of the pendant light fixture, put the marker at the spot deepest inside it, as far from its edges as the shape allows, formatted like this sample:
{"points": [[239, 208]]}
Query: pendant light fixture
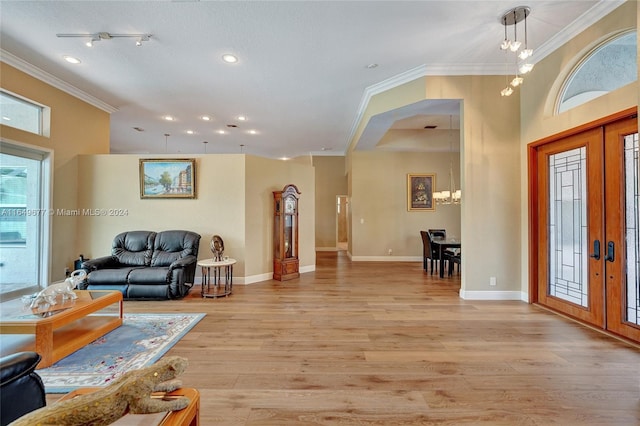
{"points": [[453, 195], [513, 17]]}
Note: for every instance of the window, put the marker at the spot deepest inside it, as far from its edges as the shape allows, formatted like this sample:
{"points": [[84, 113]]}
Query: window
{"points": [[24, 218], [22, 114], [609, 66]]}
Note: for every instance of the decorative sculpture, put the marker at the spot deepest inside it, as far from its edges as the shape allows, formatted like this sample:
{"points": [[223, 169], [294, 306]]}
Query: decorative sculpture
{"points": [[129, 393], [217, 248], [65, 288]]}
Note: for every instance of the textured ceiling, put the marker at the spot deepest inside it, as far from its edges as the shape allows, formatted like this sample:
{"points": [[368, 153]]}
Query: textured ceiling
{"points": [[302, 73]]}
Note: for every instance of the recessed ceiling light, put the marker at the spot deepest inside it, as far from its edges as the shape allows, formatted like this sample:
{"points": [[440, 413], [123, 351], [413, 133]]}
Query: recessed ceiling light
{"points": [[4, 117], [71, 59], [205, 118], [221, 132], [190, 132], [241, 118], [138, 129], [253, 132], [372, 66], [284, 158], [229, 58], [232, 125], [168, 118]]}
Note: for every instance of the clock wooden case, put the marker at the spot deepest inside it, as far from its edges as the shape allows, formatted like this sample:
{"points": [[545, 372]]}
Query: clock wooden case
{"points": [[286, 265]]}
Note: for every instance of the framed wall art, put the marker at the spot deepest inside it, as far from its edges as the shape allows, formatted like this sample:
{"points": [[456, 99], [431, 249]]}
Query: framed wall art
{"points": [[168, 178], [420, 192]]}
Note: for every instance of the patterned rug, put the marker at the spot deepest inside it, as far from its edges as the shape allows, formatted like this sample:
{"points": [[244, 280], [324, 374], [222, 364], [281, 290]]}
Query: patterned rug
{"points": [[140, 341]]}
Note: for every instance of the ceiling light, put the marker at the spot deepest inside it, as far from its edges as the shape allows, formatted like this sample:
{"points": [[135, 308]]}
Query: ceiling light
{"points": [[241, 118], [221, 132], [512, 17], [507, 91], [229, 58], [142, 39], [253, 132], [71, 59], [168, 118], [205, 118], [372, 66], [93, 37], [453, 195], [190, 132], [517, 81]]}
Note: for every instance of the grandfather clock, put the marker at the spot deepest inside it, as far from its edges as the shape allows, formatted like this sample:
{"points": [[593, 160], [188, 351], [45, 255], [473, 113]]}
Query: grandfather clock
{"points": [[286, 265]]}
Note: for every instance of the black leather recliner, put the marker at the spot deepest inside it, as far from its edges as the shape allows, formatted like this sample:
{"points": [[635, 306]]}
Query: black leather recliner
{"points": [[146, 265], [21, 389]]}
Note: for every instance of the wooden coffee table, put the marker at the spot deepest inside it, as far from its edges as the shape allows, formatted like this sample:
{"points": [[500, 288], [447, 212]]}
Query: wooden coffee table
{"points": [[63, 328], [189, 416]]}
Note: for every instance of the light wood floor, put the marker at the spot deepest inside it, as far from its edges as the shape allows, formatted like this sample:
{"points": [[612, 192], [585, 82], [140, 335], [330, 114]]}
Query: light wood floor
{"points": [[386, 344]]}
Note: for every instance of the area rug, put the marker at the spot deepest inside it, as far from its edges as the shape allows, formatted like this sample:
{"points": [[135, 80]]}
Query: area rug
{"points": [[140, 341]]}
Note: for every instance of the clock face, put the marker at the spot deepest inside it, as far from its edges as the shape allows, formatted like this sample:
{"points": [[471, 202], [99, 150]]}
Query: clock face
{"points": [[289, 205]]}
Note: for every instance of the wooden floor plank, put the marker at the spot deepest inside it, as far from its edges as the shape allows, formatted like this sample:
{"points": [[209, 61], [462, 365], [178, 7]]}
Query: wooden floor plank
{"points": [[387, 344]]}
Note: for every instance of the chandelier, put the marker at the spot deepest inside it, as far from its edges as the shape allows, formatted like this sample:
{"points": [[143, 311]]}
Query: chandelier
{"points": [[521, 51], [453, 195]]}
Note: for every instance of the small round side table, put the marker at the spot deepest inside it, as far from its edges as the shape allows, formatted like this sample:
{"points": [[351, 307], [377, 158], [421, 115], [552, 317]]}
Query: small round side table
{"points": [[217, 277]]}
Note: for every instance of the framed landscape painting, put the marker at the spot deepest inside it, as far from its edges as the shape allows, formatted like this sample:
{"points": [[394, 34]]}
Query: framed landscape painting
{"points": [[420, 192], [168, 178]]}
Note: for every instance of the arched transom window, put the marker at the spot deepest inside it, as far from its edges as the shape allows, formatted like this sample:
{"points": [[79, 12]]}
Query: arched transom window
{"points": [[607, 67]]}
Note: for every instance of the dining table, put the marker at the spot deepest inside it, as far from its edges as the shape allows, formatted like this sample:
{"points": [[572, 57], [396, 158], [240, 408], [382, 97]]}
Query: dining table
{"points": [[443, 244]]}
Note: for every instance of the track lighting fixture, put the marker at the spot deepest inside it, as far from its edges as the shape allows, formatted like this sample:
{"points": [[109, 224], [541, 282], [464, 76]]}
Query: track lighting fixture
{"points": [[93, 37]]}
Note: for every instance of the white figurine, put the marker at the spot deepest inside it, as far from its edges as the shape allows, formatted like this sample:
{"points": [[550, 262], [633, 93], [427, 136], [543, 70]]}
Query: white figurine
{"points": [[65, 288]]}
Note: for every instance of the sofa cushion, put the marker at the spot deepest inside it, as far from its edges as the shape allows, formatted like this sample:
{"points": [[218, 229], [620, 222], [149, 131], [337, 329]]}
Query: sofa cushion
{"points": [[152, 275], [109, 276], [133, 248], [170, 246]]}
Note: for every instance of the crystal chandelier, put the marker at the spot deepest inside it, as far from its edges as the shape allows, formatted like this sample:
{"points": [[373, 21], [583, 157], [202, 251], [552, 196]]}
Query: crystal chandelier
{"points": [[453, 195], [522, 51]]}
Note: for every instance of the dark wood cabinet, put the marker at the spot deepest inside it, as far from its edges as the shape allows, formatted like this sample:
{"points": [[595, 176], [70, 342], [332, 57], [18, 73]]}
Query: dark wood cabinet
{"points": [[286, 265]]}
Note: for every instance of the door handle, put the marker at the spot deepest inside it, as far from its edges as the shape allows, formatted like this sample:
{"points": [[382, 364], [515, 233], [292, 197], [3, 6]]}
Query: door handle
{"points": [[610, 257], [596, 250]]}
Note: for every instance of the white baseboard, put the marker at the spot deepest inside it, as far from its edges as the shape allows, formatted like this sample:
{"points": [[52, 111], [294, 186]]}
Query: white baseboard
{"points": [[493, 295], [252, 279], [385, 258]]}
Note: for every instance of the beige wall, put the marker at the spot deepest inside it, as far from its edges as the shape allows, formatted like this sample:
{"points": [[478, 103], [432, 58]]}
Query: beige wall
{"points": [[263, 176], [381, 220], [541, 91], [76, 128], [331, 181], [490, 153], [234, 200]]}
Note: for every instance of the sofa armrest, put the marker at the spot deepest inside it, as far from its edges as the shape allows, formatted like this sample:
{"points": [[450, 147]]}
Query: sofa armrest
{"points": [[17, 365], [183, 262], [100, 263]]}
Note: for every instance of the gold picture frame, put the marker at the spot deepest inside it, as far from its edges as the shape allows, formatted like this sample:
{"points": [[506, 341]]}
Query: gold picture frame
{"points": [[420, 191], [167, 178]]}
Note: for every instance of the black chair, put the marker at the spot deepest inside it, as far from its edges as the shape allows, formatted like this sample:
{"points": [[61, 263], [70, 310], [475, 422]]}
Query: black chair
{"points": [[21, 389], [438, 233], [454, 258], [429, 251]]}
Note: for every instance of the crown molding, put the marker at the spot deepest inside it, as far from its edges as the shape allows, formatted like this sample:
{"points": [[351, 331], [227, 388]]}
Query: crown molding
{"points": [[590, 17], [593, 15], [30, 69]]}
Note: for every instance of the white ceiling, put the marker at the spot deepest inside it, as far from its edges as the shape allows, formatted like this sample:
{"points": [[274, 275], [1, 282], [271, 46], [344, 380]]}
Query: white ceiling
{"points": [[302, 76]]}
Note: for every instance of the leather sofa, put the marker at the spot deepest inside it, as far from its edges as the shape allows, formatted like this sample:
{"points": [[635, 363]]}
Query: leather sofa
{"points": [[146, 265], [21, 389]]}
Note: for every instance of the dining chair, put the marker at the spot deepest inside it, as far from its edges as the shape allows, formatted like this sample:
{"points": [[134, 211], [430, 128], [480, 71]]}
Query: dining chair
{"points": [[430, 253], [438, 233], [452, 259]]}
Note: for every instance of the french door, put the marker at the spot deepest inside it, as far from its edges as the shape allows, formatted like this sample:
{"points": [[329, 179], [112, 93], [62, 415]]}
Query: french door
{"points": [[586, 226]]}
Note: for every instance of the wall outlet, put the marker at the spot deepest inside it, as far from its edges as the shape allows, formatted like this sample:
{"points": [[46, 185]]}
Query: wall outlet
{"points": [[390, 251], [67, 272], [493, 281]]}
